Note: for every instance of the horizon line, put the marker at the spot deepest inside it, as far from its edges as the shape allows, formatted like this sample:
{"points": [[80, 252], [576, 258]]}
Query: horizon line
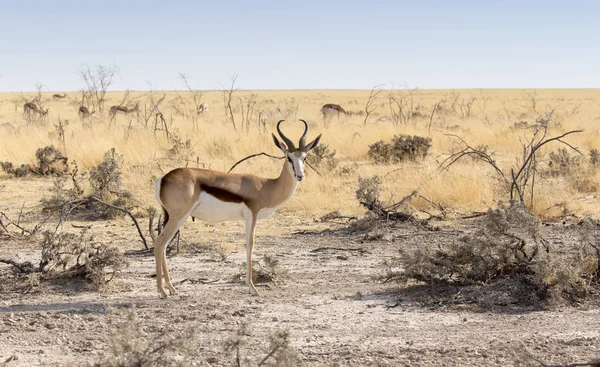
{"points": [[309, 89]]}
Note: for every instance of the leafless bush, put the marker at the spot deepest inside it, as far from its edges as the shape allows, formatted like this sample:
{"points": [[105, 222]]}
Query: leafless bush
{"points": [[97, 80], [196, 97], [520, 181], [150, 108], [68, 255], [279, 353], [288, 110], [266, 270], [180, 149], [74, 256], [228, 101], [66, 188], [323, 157], [251, 112], [402, 148], [371, 104], [131, 346]]}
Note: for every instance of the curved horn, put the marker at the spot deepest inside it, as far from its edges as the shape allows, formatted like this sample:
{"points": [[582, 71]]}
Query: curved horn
{"points": [[287, 141], [303, 137]]}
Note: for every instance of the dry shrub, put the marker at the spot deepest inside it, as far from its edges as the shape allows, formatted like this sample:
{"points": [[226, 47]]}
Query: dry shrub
{"points": [[402, 148], [562, 163], [368, 192], [106, 185], [507, 246], [595, 157], [65, 189], [131, 346], [180, 149], [50, 162], [280, 352], [266, 270], [323, 157], [68, 255]]}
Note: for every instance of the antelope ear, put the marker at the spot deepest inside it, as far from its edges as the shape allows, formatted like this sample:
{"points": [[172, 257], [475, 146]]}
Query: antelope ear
{"points": [[279, 144], [312, 144]]}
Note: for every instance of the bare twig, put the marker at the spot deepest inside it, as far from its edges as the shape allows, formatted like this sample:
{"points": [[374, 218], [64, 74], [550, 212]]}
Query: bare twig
{"points": [[252, 156]]}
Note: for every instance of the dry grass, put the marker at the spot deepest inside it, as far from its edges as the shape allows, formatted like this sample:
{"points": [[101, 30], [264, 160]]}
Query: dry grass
{"points": [[466, 187]]}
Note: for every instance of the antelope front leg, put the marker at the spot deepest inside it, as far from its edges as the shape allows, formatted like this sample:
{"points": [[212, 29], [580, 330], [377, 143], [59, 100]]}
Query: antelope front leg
{"points": [[250, 226]]}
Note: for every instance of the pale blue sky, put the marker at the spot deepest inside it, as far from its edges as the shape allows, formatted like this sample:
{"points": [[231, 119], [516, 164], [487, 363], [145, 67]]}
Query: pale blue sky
{"points": [[302, 44]]}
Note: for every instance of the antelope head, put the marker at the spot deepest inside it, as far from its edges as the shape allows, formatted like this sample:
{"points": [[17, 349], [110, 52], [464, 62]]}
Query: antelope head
{"points": [[295, 156]]}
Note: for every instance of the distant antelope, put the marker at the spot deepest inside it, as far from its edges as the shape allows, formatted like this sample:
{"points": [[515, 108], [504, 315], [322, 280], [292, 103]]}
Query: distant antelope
{"points": [[123, 109], [203, 108], [84, 113], [329, 110], [30, 109], [59, 96]]}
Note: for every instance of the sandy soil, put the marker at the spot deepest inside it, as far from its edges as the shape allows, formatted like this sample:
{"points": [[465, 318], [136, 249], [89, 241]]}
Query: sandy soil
{"points": [[330, 299]]}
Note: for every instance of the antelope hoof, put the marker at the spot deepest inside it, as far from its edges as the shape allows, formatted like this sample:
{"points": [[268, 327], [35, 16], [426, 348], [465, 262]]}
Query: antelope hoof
{"points": [[253, 290], [172, 289], [162, 293]]}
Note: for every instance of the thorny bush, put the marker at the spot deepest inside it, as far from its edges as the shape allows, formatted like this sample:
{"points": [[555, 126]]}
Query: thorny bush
{"points": [[508, 245], [402, 148], [50, 162]]}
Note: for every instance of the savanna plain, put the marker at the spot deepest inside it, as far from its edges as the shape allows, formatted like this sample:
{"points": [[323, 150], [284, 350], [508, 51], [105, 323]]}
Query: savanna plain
{"points": [[433, 228]]}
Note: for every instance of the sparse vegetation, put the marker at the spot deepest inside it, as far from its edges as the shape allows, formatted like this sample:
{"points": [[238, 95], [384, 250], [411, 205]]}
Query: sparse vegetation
{"points": [[130, 345], [50, 162], [402, 148], [507, 246], [279, 353], [479, 263]]}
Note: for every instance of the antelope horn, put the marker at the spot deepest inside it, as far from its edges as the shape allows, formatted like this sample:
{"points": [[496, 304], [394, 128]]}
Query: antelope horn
{"points": [[288, 142], [303, 137]]}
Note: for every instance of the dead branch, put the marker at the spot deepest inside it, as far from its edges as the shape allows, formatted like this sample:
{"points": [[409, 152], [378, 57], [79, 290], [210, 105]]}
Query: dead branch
{"points": [[435, 108], [228, 101], [252, 156], [24, 267], [521, 178], [68, 207], [371, 106], [323, 249]]}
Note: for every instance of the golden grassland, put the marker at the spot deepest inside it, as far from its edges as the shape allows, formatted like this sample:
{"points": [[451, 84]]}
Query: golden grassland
{"points": [[467, 186]]}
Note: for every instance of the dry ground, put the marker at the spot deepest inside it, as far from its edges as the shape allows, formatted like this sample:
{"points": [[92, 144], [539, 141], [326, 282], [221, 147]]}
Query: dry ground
{"points": [[337, 311]]}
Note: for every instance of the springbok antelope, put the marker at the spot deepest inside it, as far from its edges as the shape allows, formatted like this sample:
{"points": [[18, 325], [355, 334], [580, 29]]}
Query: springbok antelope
{"points": [[84, 113], [330, 109], [30, 109], [203, 108], [214, 196], [116, 109], [59, 96]]}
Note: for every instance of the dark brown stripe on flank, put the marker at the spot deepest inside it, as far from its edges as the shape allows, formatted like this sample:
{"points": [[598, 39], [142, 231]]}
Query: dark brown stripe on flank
{"points": [[222, 195]]}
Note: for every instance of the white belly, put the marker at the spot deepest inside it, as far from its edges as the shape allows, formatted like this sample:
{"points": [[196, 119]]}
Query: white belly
{"points": [[211, 209]]}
